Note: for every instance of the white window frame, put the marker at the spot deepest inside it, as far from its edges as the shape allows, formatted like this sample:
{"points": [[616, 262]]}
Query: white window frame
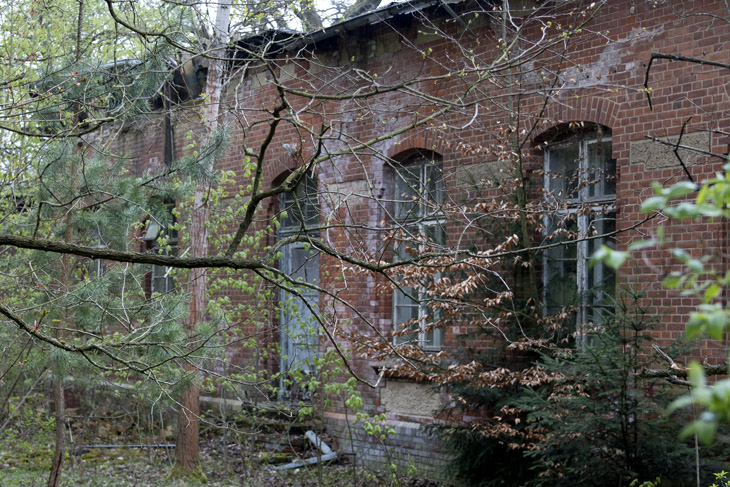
{"points": [[585, 209], [427, 215]]}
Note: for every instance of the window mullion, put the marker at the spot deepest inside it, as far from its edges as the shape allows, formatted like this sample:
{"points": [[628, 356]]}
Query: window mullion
{"points": [[422, 213], [582, 244], [583, 168], [582, 282], [423, 192], [422, 313]]}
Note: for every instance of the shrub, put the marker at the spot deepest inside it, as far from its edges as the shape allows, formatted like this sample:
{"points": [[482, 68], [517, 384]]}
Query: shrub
{"points": [[580, 416]]}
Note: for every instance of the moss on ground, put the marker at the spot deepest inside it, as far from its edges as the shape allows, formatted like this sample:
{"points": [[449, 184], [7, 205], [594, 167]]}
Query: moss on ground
{"points": [[194, 476], [98, 456]]}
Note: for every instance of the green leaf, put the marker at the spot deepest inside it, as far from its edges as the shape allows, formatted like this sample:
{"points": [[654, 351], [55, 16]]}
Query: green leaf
{"points": [[705, 430], [696, 375], [695, 324], [654, 203], [680, 255], [599, 255], [616, 258], [642, 244], [712, 292], [612, 258], [695, 265], [679, 403], [673, 281], [703, 194], [683, 211], [716, 324], [713, 321], [681, 188], [709, 211]]}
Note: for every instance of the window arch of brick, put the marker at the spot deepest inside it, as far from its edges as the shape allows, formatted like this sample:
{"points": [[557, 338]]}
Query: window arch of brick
{"points": [[587, 109]]}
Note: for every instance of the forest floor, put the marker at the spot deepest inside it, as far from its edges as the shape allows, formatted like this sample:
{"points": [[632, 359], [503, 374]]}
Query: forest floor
{"points": [[25, 461]]}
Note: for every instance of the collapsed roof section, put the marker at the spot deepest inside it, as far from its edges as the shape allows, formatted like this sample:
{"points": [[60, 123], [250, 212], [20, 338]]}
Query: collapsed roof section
{"points": [[189, 79], [274, 43]]}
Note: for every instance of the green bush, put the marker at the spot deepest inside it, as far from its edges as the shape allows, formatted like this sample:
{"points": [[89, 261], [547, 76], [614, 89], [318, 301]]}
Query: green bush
{"points": [[579, 416]]}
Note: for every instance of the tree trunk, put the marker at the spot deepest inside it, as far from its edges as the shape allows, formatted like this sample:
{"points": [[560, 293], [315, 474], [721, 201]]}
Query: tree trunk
{"points": [[309, 16], [187, 462], [59, 400], [187, 449], [60, 415]]}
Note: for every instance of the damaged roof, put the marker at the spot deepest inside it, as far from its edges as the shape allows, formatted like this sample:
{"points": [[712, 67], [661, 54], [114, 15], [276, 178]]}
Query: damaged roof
{"points": [[280, 41]]}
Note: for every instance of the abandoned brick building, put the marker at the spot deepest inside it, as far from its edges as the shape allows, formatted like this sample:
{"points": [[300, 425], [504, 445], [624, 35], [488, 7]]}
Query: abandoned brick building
{"points": [[421, 100]]}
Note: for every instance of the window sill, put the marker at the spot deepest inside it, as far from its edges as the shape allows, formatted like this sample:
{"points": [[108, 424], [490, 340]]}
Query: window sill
{"points": [[379, 365]]}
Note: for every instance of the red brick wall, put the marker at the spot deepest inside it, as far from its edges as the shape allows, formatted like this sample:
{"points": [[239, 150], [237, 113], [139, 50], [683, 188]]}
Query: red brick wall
{"points": [[602, 72]]}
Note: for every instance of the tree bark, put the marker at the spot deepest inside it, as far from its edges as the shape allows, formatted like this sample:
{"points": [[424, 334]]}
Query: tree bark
{"points": [[187, 449], [67, 261], [60, 448], [309, 16], [59, 400]]}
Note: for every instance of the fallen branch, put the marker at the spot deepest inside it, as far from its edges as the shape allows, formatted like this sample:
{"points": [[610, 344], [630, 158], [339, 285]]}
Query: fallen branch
{"points": [[676, 371], [171, 445], [328, 454]]}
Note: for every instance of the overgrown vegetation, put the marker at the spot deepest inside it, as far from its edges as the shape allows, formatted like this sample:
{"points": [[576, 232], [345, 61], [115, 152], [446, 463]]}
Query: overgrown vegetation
{"points": [[580, 417], [108, 429], [170, 265]]}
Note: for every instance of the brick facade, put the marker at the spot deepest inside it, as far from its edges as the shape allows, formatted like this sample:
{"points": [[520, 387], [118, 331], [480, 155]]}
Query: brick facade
{"points": [[600, 75]]}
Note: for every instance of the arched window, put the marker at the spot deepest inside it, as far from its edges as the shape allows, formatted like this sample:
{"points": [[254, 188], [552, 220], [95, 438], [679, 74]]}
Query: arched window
{"points": [[418, 200], [298, 337], [580, 184], [301, 208]]}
